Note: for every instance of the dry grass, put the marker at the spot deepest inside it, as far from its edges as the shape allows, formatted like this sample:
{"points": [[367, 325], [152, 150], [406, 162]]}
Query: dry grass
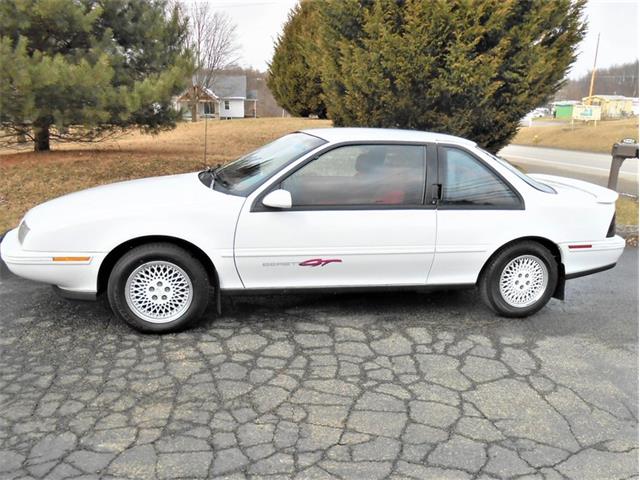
{"points": [[627, 211], [579, 137], [28, 178]]}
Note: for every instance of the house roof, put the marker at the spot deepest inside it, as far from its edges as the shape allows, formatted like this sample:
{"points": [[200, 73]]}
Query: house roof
{"points": [[564, 103], [230, 86], [206, 95], [209, 92], [608, 97], [385, 135]]}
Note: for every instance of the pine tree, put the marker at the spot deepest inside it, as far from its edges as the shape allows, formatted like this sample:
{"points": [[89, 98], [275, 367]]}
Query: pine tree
{"points": [[293, 76], [469, 68], [82, 70]]}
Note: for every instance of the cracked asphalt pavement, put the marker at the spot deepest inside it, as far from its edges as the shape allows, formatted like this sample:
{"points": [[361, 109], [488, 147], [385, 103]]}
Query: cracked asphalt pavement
{"points": [[366, 386]]}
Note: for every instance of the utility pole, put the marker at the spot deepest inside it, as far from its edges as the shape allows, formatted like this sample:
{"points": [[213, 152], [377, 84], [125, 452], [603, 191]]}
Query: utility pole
{"points": [[593, 71]]}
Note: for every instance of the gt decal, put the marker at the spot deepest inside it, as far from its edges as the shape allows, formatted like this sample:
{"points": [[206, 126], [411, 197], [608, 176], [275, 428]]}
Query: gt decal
{"points": [[319, 262]]}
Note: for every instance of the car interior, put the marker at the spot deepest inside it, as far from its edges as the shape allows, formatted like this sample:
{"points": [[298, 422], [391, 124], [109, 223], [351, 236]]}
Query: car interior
{"points": [[366, 175]]}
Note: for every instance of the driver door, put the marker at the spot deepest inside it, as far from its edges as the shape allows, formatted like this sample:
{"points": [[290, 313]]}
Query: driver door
{"points": [[359, 217]]}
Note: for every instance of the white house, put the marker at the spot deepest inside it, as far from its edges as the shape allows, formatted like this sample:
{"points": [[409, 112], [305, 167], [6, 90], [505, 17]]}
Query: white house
{"points": [[207, 101], [227, 97], [232, 92]]}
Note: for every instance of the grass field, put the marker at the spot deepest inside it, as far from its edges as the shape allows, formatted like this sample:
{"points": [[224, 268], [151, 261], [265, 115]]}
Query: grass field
{"points": [[627, 211], [579, 137], [27, 178]]}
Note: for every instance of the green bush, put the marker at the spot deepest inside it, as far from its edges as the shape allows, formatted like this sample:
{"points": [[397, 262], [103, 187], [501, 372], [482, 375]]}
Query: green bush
{"points": [[293, 77], [469, 68]]}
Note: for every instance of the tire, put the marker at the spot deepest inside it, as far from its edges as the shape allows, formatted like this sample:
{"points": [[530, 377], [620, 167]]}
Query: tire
{"points": [[158, 287], [503, 283]]}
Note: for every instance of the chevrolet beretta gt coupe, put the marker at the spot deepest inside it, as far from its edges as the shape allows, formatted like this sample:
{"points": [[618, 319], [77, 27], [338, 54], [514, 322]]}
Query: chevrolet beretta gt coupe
{"points": [[321, 210]]}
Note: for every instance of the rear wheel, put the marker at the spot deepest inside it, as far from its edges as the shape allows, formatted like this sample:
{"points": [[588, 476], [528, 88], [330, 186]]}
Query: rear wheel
{"points": [[519, 280], [158, 287]]}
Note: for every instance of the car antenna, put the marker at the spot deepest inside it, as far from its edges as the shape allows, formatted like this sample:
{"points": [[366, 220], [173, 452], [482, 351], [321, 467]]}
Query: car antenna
{"points": [[204, 160]]}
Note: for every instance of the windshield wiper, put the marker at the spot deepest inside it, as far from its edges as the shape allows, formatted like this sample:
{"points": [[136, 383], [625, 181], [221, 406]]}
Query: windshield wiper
{"points": [[214, 172]]}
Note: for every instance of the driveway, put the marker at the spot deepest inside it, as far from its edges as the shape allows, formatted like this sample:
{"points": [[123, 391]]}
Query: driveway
{"points": [[592, 167], [422, 386]]}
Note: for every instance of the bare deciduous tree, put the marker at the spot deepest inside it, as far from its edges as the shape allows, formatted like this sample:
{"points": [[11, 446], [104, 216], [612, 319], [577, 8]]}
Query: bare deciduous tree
{"points": [[212, 38]]}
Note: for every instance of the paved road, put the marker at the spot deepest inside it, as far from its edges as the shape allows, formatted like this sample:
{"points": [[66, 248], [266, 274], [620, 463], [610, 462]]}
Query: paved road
{"points": [[353, 386], [593, 167]]}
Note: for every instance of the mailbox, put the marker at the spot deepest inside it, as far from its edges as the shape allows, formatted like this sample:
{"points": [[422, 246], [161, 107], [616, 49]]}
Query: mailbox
{"points": [[626, 148]]}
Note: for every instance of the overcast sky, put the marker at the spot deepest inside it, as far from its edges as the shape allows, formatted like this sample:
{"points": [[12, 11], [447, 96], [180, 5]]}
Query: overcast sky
{"points": [[260, 21], [617, 22]]}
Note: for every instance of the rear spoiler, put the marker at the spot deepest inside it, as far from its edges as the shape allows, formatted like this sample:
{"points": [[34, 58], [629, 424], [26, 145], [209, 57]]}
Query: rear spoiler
{"points": [[601, 194]]}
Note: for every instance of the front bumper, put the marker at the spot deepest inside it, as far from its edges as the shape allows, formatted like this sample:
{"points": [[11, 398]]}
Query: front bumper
{"points": [[4, 270], [585, 258], [72, 272]]}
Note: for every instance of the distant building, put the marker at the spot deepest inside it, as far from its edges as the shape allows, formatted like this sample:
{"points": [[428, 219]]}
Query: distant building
{"points": [[227, 97], [564, 108], [207, 101], [251, 104], [612, 106]]}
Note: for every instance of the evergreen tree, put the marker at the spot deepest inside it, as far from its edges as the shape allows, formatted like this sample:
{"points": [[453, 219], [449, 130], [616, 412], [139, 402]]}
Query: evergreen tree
{"points": [[82, 70], [470, 68], [293, 77]]}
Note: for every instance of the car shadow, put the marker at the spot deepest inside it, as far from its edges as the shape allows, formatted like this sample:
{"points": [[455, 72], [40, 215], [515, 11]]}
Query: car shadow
{"points": [[457, 308], [454, 309]]}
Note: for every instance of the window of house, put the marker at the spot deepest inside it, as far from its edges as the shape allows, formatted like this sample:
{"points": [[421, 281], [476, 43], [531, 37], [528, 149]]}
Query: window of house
{"points": [[362, 175], [226, 104], [467, 182]]}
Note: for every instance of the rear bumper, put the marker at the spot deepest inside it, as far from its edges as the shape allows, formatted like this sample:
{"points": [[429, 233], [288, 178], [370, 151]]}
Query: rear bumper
{"points": [[586, 258], [63, 269], [589, 272]]}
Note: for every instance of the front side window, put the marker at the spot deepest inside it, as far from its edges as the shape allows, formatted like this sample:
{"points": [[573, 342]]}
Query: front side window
{"points": [[466, 182], [243, 175], [361, 175], [226, 104]]}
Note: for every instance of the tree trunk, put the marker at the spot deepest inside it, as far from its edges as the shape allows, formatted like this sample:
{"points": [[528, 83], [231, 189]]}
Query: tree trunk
{"points": [[194, 104], [41, 142]]}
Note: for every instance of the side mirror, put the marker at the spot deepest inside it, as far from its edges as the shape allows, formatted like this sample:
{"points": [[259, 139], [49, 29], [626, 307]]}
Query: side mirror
{"points": [[277, 199]]}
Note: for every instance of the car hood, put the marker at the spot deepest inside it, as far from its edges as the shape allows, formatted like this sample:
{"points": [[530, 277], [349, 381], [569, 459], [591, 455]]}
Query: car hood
{"points": [[153, 195], [578, 189]]}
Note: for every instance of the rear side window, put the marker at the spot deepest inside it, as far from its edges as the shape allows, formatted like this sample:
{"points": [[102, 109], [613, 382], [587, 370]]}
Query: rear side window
{"points": [[468, 183], [543, 187]]}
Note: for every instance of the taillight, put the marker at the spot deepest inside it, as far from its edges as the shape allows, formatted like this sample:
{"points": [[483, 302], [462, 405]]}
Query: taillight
{"points": [[612, 227]]}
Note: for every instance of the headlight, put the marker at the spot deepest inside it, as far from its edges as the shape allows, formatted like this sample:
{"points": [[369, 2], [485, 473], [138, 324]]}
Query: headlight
{"points": [[23, 230]]}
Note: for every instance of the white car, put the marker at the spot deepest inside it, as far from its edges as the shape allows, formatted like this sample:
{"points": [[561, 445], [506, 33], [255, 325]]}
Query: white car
{"points": [[325, 209]]}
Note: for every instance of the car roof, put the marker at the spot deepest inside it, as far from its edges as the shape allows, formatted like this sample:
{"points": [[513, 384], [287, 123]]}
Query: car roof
{"points": [[336, 135]]}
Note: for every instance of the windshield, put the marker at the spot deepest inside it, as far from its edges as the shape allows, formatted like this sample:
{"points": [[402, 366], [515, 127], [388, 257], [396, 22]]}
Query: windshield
{"points": [[523, 176], [246, 173]]}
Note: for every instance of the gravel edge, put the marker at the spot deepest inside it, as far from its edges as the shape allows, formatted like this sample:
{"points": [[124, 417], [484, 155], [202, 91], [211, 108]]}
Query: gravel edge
{"points": [[629, 233]]}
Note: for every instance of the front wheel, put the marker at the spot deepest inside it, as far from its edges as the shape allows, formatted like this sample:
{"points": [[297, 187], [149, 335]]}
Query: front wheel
{"points": [[158, 287], [519, 280]]}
